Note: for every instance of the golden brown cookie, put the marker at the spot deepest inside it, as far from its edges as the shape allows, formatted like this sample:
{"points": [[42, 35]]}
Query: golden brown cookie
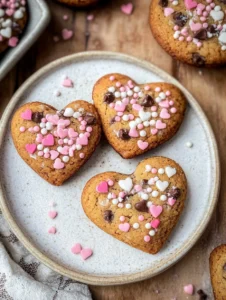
{"points": [[137, 117], [140, 209], [218, 272], [13, 18], [78, 3], [55, 144], [193, 31]]}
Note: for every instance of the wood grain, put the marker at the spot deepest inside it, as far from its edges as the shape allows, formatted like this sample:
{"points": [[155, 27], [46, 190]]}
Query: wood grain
{"points": [[114, 31]]}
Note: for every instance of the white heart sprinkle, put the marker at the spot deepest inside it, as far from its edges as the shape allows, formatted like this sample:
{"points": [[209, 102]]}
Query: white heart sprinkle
{"points": [[18, 14], [222, 37], [126, 184], [1, 12], [162, 185], [7, 32], [217, 15], [7, 23], [144, 115], [69, 112], [170, 171]]}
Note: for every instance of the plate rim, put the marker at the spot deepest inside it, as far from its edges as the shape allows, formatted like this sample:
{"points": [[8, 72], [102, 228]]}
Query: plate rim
{"points": [[115, 279]]}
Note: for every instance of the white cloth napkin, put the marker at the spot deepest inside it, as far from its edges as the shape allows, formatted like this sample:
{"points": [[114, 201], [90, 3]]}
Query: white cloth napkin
{"points": [[22, 277]]}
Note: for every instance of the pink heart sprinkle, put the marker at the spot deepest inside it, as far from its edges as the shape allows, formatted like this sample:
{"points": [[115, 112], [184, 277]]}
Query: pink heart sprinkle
{"points": [[160, 125], [27, 114], [10, 12], [154, 131], [164, 114], [48, 140], [54, 154], [52, 119], [58, 164], [67, 82], [64, 150], [63, 123], [195, 26], [171, 201], [133, 132], [62, 133], [31, 148], [127, 8], [155, 210], [142, 145], [72, 133], [168, 11], [82, 140], [189, 289], [155, 223], [52, 230], [67, 34], [86, 253], [102, 187], [190, 4], [52, 214], [164, 104], [76, 249], [124, 227], [13, 41]]}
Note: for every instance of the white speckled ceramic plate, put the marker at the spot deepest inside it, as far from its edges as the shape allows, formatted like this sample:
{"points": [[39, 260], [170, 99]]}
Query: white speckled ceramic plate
{"points": [[38, 18], [25, 196]]}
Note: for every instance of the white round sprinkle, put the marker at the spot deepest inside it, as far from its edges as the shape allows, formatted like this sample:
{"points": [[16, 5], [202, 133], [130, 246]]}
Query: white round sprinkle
{"points": [[117, 94], [146, 123], [59, 149], [152, 122], [132, 124], [136, 89], [49, 126], [140, 94], [120, 199], [46, 150], [109, 196], [44, 131], [189, 144], [163, 198], [136, 225], [40, 147], [162, 95], [69, 112], [151, 232], [154, 114], [115, 201], [128, 205], [175, 2], [130, 93], [123, 94], [223, 48], [42, 125], [66, 141], [155, 194], [144, 196], [149, 204], [78, 147], [125, 117], [147, 225], [143, 133], [148, 168], [76, 115], [65, 159], [149, 190], [158, 99], [161, 171], [138, 121], [217, 8], [111, 89]]}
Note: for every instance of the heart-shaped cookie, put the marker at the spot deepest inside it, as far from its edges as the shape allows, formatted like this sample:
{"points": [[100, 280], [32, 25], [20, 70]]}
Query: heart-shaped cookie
{"points": [[55, 144], [139, 209], [137, 117]]}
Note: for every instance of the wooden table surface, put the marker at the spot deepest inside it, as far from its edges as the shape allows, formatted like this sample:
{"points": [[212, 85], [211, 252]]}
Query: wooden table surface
{"points": [[114, 31]]}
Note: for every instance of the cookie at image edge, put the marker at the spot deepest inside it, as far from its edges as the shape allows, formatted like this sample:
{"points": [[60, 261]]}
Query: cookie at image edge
{"points": [[78, 3]]}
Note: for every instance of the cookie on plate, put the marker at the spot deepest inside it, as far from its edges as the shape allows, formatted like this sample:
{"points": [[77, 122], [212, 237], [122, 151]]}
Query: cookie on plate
{"points": [[13, 18], [137, 117], [218, 272], [192, 31], [55, 144], [140, 209], [78, 3]]}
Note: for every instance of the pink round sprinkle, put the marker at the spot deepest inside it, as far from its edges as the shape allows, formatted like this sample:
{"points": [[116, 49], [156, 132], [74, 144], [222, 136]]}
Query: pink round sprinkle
{"points": [[113, 195], [36, 128], [157, 89], [80, 119], [90, 17], [149, 190], [40, 153], [122, 218], [189, 39], [122, 194], [112, 105], [82, 127], [46, 155], [81, 155], [168, 93], [140, 126], [181, 38], [122, 89], [125, 101], [147, 88], [133, 101], [60, 142], [173, 110], [112, 78], [110, 182], [199, 44], [203, 19], [153, 108], [199, 12], [135, 95], [73, 147], [175, 28], [147, 238], [70, 142], [117, 118], [87, 134], [83, 122], [205, 25], [205, 13], [171, 102], [141, 218], [89, 129], [137, 188], [219, 27], [208, 1], [22, 129], [154, 170], [131, 117], [30, 129], [121, 205], [212, 5], [43, 120], [65, 17], [120, 113], [118, 84]]}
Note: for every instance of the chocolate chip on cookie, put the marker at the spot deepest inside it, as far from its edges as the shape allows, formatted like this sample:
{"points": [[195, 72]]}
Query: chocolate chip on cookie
{"points": [[37, 117], [141, 206], [90, 119], [201, 34], [163, 3], [198, 59], [148, 101], [124, 134], [109, 97], [108, 216], [202, 295], [180, 19], [174, 192]]}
